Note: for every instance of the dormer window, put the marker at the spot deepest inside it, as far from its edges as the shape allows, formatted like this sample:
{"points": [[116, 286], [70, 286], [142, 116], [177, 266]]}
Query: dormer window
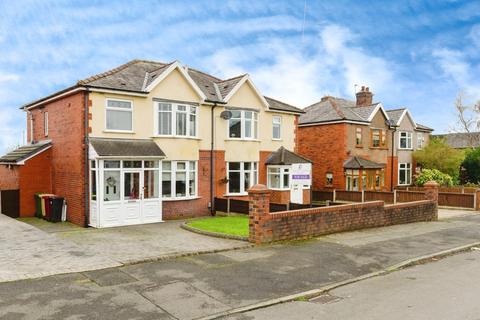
{"points": [[243, 125]]}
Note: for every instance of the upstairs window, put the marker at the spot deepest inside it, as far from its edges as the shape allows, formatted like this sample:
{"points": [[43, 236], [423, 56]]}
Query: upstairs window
{"points": [[276, 127], [358, 137], [420, 141], [176, 120], [119, 115], [45, 123], [378, 138], [243, 125], [405, 140]]}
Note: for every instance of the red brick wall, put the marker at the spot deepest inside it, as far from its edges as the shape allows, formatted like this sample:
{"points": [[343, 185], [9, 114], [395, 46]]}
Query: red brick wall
{"points": [[262, 168], [325, 145], [66, 130], [8, 177], [35, 176], [307, 223]]}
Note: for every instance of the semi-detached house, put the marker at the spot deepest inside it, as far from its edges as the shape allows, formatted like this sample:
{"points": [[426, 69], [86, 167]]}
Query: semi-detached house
{"points": [[358, 145], [149, 141]]}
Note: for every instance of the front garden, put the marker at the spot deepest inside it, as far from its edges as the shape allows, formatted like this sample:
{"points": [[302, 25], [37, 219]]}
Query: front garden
{"points": [[230, 225]]}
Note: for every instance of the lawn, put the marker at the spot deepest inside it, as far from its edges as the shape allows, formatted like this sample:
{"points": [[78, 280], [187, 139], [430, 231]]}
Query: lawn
{"points": [[233, 225]]}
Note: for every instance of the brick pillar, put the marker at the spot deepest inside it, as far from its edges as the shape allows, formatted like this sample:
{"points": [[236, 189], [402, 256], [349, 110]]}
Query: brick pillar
{"points": [[431, 193], [259, 214], [477, 199]]}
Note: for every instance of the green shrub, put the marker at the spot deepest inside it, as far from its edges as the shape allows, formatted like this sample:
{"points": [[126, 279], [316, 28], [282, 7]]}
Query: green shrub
{"points": [[472, 166], [441, 178]]}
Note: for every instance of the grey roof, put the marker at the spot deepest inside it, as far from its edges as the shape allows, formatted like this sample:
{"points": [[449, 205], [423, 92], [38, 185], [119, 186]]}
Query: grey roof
{"points": [[333, 109], [24, 152], [361, 163], [461, 140], [395, 114], [423, 127], [136, 75], [282, 106], [126, 148], [283, 156]]}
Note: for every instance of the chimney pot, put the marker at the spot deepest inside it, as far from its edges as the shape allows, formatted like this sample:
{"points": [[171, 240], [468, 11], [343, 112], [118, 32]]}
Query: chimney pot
{"points": [[364, 97]]}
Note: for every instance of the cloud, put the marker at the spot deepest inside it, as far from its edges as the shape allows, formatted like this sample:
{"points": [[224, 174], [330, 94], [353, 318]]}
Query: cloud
{"points": [[474, 35]]}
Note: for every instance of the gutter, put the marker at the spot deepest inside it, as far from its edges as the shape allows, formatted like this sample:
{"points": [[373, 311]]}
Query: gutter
{"points": [[86, 168]]}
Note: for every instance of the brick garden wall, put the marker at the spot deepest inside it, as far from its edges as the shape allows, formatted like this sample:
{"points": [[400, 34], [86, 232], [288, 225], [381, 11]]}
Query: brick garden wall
{"points": [[266, 227]]}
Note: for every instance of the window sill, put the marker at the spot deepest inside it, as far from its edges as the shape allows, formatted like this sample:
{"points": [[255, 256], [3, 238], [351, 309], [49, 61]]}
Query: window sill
{"points": [[243, 140], [278, 189], [176, 137], [405, 149], [379, 148], [235, 194], [179, 198], [359, 146], [119, 131], [277, 139]]}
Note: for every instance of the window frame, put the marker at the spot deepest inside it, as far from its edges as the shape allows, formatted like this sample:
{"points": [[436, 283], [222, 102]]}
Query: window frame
{"points": [[283, 170], [173, 179], [45, 123], [119, 109], [253, 174], [173, 117], [408, 178], [420, 141], [408, 138], [327, 178], [381, 142], [254, 129], [279, 124], [358, 141]]}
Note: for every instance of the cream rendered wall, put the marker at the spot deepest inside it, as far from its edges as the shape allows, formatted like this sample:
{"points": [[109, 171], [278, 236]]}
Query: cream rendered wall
{"points": [[245, 150], [405, 156], [175, 87]]}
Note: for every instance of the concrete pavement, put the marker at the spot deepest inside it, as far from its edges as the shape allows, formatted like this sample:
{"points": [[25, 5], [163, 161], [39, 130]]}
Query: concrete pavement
{"points": [[198, 286], [447, 289]]}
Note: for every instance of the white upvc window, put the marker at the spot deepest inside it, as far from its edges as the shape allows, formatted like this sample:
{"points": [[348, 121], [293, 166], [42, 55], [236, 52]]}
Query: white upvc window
{"points": [[241, 176], [243, 125], [278, 177], [176, 119], [420, 140], [179, 179], [405, 140], [119, 115], [276, 127], [45, 123], [404, 173]]}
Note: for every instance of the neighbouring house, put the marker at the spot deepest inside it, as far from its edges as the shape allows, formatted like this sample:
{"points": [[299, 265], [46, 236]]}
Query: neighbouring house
{"points": [[149, 141], [353, 144], [408, 137], [462, 140]]}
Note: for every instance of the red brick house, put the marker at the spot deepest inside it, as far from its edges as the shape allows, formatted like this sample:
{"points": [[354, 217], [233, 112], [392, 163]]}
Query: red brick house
{"points": [[149, 141], [352, 144]]}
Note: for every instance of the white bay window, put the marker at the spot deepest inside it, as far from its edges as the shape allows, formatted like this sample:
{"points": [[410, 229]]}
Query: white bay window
{"points": [[179, 179]]}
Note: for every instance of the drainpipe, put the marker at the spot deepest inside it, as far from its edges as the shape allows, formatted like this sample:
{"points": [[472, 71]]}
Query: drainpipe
{"points": [[87, 169], [212, 145], [393, 149]]}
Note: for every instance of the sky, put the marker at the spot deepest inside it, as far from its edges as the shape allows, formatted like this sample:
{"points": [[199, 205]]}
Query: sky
{"points": [[415, 54]]}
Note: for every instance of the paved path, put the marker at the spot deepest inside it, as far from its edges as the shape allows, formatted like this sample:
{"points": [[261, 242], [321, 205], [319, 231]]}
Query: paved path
{"points": [[197, 286], [445, 290], [27, 252]]}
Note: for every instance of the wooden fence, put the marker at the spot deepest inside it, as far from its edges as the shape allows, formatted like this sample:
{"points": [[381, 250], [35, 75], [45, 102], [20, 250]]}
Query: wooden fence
{"points": [[241, 206], [447, 199], [468, 190]]}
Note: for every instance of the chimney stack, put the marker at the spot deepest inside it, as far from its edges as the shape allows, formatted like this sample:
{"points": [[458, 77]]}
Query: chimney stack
{"points": [[364, 97]]}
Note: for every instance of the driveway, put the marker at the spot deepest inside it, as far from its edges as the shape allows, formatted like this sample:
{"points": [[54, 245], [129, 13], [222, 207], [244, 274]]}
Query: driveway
{"points": [[27, 252]]}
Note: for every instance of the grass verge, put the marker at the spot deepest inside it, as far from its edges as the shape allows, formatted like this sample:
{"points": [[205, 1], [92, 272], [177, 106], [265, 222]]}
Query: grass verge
{"points": [[234, 225]]}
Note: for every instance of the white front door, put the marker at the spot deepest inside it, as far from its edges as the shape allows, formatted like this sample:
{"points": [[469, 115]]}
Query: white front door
{"points": [[132, 196], [296, 194]]}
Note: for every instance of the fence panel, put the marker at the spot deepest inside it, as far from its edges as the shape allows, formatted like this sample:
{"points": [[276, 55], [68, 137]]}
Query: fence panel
{"points": [[10, 203], [239, 206], [277, 207], [354, 196], [462, 200], [408, 196], [322, 195], [387, 197], [221, 204]]}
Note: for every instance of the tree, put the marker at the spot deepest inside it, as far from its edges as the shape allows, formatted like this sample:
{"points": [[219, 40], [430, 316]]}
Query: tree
{"points": [[472, 166], [468, 116], [438, 155]]}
